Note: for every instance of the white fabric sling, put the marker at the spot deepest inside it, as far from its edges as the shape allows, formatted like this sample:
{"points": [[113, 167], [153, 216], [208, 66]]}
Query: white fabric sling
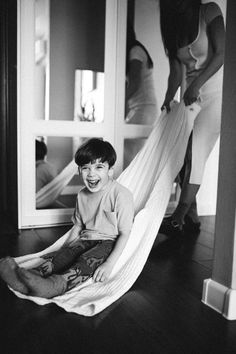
{"points": [[149, 177], [49, 193]]}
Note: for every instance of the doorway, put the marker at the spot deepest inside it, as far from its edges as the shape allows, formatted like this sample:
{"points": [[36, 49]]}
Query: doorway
{"points": [[68, 91]]}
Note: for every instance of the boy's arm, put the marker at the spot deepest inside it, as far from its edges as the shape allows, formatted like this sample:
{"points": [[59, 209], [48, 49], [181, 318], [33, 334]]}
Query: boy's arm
{"points": [[125, 217], [77, 227], [103, 272]]}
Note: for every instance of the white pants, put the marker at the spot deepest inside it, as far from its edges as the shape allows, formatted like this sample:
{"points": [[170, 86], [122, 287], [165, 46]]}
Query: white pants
{"points": [[206, 129]]}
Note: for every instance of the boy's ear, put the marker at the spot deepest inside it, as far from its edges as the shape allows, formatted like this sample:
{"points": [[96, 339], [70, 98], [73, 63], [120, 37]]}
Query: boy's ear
{"points": [[111, 171]]}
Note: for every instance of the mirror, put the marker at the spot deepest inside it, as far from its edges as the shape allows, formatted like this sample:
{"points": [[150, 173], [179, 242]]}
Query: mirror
{"points": [[89, 96], [41, 69], [69, 59], [69, 83], [56, 184], [142, 65], [69, 64]]}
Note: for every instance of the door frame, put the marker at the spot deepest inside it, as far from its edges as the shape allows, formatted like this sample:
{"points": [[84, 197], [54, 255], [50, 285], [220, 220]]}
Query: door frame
{"points": [[113, 128], [8, 123]]}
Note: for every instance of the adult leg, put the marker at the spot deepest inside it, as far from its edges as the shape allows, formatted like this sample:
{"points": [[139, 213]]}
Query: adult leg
{"points": [[187, 202], [191, 218], [205, 133], [187, 198]]}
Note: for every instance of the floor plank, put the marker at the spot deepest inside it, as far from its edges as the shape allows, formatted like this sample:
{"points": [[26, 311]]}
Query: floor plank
{"points": [[161, 313]]}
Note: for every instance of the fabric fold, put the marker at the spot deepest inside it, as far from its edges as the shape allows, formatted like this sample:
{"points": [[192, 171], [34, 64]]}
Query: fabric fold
{"points": [[149, 177]]}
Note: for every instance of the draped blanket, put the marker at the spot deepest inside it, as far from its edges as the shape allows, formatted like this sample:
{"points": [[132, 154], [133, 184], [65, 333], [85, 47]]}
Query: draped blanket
{"points": [[49, 193], [149, 177]]}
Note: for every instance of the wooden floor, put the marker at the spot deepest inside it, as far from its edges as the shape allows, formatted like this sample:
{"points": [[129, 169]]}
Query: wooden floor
{"points": [[162, 312]]}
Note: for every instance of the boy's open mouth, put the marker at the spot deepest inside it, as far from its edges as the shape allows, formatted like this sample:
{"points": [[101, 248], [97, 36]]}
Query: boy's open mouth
{"points": [[93, 184]]}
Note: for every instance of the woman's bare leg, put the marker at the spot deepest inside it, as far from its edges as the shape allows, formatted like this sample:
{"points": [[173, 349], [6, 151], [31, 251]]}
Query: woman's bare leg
{"points": [[187, 197], [187, 203]]}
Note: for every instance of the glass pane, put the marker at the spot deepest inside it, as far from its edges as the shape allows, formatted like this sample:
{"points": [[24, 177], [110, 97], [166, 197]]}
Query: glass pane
{"points": [[57, 184], [131, 148], [89, 96], [76, 30], [41, 69], [141, 102]]}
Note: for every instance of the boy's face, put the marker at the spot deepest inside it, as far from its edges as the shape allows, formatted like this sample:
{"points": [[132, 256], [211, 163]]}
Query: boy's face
{"points": [[96, 175]]}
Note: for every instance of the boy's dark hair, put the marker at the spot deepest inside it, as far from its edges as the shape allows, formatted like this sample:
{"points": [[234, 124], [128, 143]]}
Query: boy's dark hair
{"points": [[40, 150], [94, 149]]}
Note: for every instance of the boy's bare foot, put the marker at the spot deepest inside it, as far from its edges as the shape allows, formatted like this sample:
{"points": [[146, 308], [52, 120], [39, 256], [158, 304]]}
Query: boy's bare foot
{"points": [[8, 272], [49, 287]]}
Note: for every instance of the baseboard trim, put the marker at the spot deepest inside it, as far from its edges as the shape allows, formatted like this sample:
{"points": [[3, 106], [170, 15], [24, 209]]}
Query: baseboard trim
{"points": [[220, 298], [206, 209]]}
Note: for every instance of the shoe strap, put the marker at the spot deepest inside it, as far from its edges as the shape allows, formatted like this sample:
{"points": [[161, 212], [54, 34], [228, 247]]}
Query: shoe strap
{"points": [[175, 224]]}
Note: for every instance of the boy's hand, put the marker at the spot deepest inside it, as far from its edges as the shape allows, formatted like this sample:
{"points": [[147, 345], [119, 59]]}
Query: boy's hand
{"points": [[103, 272]]}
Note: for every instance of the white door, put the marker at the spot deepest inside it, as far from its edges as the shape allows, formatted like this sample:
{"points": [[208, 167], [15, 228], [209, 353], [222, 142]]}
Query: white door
{"points": [[52, 101]]}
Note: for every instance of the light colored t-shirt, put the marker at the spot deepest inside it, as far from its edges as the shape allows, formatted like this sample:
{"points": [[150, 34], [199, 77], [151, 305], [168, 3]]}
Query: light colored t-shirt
{"points": [[45, 173], [145, 95], [105, 214]]}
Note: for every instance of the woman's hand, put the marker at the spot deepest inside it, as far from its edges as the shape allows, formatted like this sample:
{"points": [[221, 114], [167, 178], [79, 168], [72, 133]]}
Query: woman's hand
{"points": [[191, 95], [103, 272], [166, 105], [174, 82]]}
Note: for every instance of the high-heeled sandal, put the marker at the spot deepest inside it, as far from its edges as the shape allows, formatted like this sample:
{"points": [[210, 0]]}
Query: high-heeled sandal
{"points": [[171, 227], [190, 226]]}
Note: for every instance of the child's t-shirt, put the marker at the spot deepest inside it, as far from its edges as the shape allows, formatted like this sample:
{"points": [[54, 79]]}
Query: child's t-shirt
{"points": [[105, 214]]}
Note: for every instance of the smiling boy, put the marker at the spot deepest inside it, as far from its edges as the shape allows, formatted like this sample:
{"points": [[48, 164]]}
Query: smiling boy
{"points": [[103, 219]]}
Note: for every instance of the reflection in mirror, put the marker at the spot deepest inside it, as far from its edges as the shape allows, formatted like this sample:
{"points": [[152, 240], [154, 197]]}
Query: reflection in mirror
{"points": [[45, 171], [140, 103], [131, 148], [69, 37], [57, 178], [41, 58], [89, 96], [140, 98]]}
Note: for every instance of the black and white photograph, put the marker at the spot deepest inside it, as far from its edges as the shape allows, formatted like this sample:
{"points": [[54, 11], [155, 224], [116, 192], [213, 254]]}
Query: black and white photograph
{"points": [[118, 177]]}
